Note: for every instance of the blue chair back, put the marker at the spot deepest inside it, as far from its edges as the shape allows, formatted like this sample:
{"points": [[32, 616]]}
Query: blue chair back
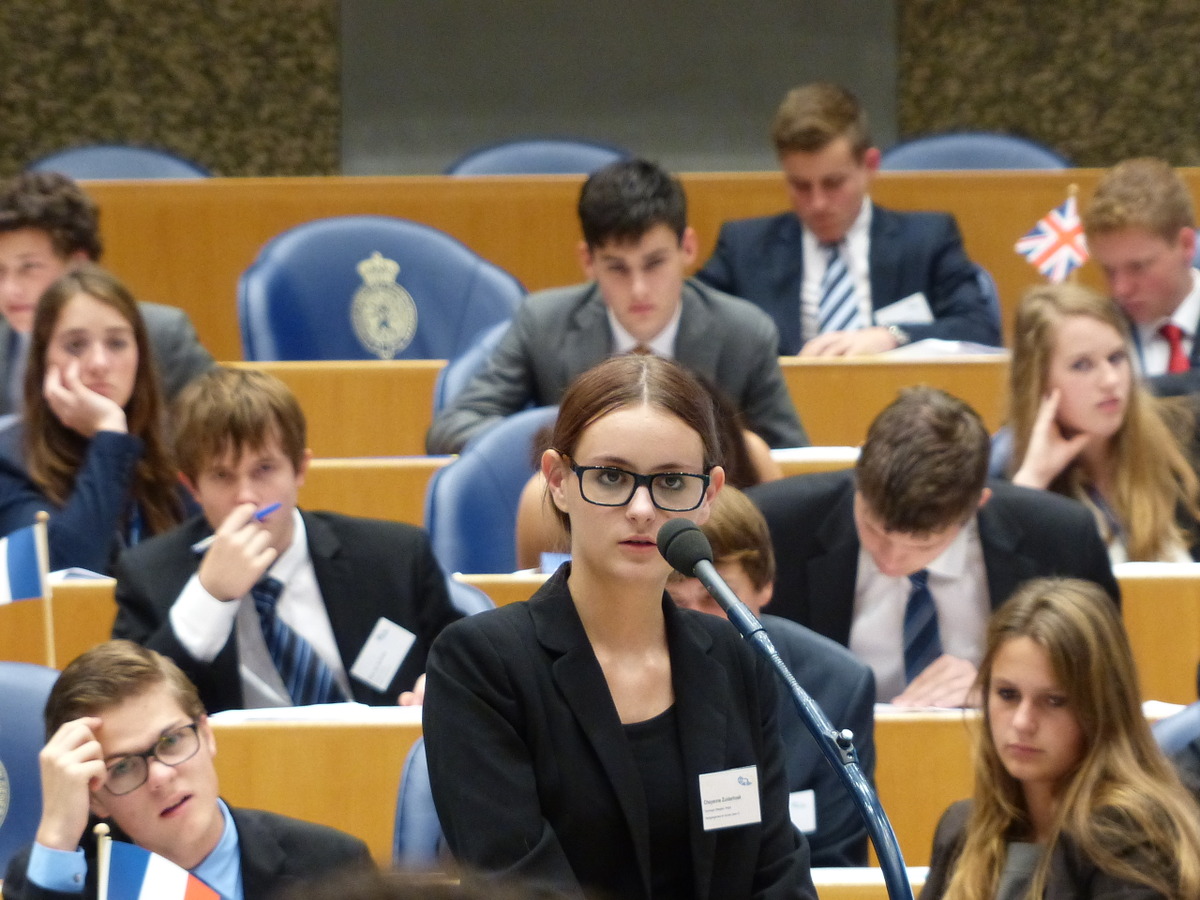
{"points": [[113, 161], [538, 156], [970, 150], [369, 287], [417, 834], [467, 598], [471, 504], [1175, 732], [23, 691], [457, 372]]}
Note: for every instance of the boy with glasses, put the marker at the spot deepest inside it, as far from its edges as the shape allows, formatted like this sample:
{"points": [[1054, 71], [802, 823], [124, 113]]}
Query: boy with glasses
{"points": [[128, 741]]}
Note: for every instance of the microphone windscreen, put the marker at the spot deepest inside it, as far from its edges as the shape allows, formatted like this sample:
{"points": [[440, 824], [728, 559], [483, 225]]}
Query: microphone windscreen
{"points": [[683, 544]]}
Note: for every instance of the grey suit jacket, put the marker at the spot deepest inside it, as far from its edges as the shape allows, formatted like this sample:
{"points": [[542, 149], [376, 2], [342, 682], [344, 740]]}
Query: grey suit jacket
{"points": [[1024, 534], [178, 353], [560, 333], [277, 852]]}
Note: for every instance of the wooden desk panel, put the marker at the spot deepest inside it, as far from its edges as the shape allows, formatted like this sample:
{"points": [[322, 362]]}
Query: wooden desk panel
{"points": [[391, 488], [83, 613], [923, 764], [367, 408], [346, 776], [1162, 618], [187, 243], [838, 398], [506, 588]]}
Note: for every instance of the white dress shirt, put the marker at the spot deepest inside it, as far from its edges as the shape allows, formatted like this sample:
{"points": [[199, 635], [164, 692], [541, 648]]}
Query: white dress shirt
{"points": [[1156, 351], [855, 249], [202, 624], [958, 583]]}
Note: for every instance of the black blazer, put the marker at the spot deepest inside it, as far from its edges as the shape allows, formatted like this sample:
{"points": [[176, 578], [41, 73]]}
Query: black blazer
{"points": [[1024, 533], [277, 852], [365, 569], [762, 260], [532, 774], [1072, 876]]}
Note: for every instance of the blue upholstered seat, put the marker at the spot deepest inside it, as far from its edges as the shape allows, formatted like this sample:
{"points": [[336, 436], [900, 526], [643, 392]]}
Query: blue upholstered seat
{"points": [[538, 156], [23, 691], [471, 504], [113, 161], [369, 287], [970, 150]]}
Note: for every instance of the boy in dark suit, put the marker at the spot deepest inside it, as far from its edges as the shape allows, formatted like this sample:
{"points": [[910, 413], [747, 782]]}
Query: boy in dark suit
{"points": [[839, 275], [904, 559], [282, 607], [128, 741]]}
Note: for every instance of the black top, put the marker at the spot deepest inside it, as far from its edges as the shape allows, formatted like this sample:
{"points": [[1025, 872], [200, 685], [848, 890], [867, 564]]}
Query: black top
{"points": [[659, 760]]}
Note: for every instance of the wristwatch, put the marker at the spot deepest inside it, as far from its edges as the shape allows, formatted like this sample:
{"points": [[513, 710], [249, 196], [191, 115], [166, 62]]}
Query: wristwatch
{"points": [[899, 335]]}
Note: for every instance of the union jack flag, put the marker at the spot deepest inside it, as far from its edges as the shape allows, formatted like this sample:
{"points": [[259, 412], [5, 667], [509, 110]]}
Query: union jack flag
{"points": [[1056, 245]]}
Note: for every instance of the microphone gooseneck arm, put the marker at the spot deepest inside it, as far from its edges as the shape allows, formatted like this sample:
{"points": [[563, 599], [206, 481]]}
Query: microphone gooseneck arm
{"points": [[686, 548]]}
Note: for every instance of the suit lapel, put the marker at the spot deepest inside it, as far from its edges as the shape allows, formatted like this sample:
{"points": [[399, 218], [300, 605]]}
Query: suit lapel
{"points": [[261, 856], [883, 256], [588, 339], [694, 345], [783, 263], [333, 577], [577, 674], [833, 574], [1000, 536]]}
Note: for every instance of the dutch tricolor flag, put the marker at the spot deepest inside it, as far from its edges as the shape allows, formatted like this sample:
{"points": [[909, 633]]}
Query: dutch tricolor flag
{"points": [[138, 874]]}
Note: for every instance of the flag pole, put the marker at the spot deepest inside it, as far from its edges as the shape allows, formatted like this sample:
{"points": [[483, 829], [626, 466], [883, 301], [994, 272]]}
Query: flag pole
{"points": [[1073, 194], [103, 855], [43, 554]]}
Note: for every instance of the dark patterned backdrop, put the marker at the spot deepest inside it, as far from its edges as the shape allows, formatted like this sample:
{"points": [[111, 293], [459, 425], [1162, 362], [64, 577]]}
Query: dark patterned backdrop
{"points": [[251, 87], [1097, 80], [244, 87]]}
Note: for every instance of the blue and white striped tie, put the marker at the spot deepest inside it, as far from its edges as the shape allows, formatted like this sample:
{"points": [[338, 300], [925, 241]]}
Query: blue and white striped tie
{"points": [[922, 640], [305, 675], [838, 307]]}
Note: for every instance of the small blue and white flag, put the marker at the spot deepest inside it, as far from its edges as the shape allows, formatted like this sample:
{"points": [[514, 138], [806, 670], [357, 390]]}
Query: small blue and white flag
{"points": [[21, 576]]}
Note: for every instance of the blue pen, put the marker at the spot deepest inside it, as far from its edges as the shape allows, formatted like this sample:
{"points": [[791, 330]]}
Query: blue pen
{"points": [[204, 543]]}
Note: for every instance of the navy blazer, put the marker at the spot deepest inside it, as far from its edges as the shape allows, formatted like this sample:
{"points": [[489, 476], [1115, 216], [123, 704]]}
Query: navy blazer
{"points": [[277, 852], [533, 776], [365, 569], [1024, 533], [762, 260]]}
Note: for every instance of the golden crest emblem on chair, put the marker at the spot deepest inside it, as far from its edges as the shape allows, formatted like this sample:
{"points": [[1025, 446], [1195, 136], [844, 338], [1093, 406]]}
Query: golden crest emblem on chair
{"points": [[382, 312]]}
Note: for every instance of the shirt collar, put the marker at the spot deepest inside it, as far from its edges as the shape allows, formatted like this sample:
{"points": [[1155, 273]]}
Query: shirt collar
{"points": [[222, 869], [296, 553], [662, 344]]}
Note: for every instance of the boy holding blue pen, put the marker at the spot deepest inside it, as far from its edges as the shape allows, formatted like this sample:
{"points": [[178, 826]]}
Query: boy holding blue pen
{"points": [[262, 604]]}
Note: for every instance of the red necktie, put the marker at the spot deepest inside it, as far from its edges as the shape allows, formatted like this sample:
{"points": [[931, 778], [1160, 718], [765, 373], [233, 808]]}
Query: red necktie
{"points": [[1174, 337]]}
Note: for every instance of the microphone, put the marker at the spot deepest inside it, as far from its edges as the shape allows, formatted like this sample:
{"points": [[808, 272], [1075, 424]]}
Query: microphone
{"points": [[686, 548]]}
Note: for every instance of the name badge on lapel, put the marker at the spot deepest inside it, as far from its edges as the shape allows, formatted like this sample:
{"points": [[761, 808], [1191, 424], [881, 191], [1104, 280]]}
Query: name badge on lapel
{"points": [[730, 798], [382, 654]]}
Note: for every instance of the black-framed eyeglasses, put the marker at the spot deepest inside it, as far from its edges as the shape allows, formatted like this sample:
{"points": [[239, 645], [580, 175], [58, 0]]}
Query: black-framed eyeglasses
{"points": [[612, 486], [128, 773]]}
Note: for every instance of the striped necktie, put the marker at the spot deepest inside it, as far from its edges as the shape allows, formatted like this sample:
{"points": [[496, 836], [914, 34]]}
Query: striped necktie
{"points": [[305, 675], [838, 307], [922, 641]]}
